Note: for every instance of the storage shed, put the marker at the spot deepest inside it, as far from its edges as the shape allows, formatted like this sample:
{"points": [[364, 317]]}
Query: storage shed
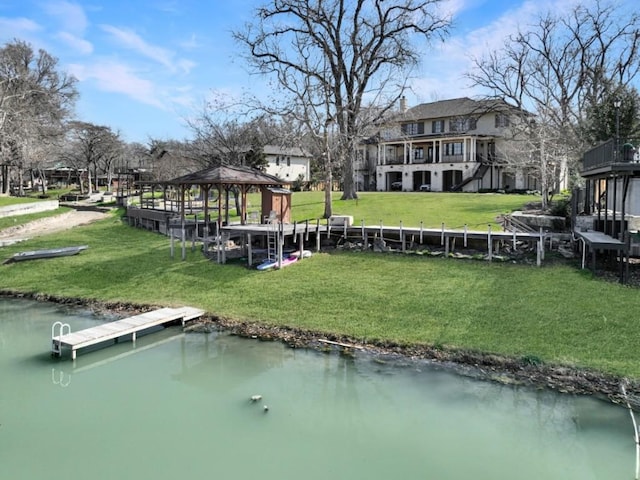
{"points": [[278, 201]]}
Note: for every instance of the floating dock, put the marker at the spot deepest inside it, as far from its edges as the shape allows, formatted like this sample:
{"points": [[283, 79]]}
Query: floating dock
{"points": [[61, 335]]}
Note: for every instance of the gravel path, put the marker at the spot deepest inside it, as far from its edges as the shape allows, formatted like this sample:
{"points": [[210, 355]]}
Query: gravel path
{"points": [[48, 225]]}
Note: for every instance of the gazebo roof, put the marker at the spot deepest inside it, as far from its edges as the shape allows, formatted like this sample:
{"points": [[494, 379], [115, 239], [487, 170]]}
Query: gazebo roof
{"points": [[227, 175]]}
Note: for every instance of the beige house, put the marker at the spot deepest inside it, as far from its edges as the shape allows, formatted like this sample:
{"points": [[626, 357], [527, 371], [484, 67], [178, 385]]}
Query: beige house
{"points": [[449, 145], [288, 163]]}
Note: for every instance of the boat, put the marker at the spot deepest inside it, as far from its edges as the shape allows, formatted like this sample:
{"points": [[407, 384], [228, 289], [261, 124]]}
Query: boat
{"points": [[268, 264], [46, 253], [288, 261], [305, 254]]}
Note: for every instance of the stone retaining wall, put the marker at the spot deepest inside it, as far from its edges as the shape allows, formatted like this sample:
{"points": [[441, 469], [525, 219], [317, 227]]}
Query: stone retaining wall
{"points": [[25, 208]]}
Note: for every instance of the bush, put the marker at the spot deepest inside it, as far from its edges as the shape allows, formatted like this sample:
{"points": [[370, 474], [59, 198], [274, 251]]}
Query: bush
{"points": [[561, 208]]}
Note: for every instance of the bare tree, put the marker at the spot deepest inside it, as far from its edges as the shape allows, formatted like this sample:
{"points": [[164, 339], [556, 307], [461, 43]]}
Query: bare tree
{"points": [[35, 99], [333, 56], [91, 147], [560, 68]]}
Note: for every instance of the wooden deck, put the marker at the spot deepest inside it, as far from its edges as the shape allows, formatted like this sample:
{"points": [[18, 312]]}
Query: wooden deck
{"points": [[114, 330]]}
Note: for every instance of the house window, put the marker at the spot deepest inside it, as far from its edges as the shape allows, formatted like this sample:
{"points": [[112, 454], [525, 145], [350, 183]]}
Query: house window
{"points": [[288, 161], [413, 128], [437, 126], [418, 153], [462, 124], [502, 120], [277, 161], [454, 148]]}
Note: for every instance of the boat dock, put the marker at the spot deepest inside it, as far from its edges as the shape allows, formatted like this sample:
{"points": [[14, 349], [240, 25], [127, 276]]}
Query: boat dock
{"points": [[62, 337]]}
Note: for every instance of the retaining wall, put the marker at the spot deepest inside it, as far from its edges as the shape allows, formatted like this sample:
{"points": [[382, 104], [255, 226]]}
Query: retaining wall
{"points": [[25, 208]]}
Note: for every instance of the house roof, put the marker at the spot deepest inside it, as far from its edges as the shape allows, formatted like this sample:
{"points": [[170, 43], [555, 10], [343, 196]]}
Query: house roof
{"points": [[453, 108], [227, 175], [290, 151]]}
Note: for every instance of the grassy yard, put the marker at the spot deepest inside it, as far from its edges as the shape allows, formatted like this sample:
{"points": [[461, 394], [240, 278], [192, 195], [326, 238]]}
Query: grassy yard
{"points": [[558, 314], [476, 210]]}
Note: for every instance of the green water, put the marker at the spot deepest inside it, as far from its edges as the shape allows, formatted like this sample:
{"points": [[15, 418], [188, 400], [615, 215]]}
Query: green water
{"points": [[177, 406]]}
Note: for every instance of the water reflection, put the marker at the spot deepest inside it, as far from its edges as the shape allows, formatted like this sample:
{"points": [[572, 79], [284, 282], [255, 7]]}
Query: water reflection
{"points": [[175, 403]]}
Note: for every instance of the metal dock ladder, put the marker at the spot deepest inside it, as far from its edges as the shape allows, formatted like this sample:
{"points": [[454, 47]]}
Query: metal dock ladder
{"points": [[56, 344]]}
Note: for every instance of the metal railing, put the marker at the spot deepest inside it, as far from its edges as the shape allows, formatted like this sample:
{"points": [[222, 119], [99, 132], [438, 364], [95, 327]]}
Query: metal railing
{"points": [[605, 154]]}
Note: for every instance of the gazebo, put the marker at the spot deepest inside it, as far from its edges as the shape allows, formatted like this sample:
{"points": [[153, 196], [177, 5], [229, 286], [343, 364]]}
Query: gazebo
{"points": [[224, 178]]}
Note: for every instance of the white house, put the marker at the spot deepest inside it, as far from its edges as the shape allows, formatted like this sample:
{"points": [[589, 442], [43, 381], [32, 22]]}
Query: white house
{"points": [[288, 163], [448, 145]]}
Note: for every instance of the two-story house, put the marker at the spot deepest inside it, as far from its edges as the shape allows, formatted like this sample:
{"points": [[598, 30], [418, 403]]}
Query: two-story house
{"points": [[448, 145], [288, 163]]}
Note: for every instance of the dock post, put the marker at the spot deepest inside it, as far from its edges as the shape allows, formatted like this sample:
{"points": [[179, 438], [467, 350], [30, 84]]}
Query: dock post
{"points": [[489, 244], [402, 242], [318, 235], [421, 230], [465, 235], [249, 250], [381, 231], [362, 230], [301, 245]]}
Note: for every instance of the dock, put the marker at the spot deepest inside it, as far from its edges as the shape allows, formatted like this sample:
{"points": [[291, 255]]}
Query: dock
{"points": [[62, 337]]}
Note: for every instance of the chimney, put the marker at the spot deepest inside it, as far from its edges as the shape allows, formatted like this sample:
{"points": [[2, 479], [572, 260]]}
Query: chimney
{"points": [[403, 104]]}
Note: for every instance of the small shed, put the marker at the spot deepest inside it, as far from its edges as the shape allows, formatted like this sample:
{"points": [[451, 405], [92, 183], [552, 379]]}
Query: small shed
{"points": [[278, 201]]}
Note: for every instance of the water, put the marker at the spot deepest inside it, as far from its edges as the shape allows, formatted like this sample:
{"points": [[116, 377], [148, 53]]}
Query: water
{"points": [[177, 406]]}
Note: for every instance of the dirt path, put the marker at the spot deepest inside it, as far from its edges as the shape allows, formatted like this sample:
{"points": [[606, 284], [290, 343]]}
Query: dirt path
{"points": [[48, 225]]}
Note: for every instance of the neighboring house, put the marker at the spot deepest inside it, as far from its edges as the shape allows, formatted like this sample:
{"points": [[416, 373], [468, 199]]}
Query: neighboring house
{"points": [[449, 145], [288, 163], [606, 217], [612, 189]]}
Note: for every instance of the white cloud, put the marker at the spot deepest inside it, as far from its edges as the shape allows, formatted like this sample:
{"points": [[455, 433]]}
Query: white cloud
{"points": [[445, 66], [133, 41], [119, 78], [78, 44], [17, 27], [71, 15]]}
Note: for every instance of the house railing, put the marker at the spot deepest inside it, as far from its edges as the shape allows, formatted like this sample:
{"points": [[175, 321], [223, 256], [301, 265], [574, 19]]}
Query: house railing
{"points": [[600, 156], [605, 155]]}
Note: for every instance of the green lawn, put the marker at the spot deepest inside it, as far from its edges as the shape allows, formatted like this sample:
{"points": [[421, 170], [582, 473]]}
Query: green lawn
{"points": [[559, 314], [476, 210]]}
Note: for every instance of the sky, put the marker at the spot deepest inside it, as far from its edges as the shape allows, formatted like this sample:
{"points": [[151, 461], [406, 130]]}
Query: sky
{"points": [[146, 66]]}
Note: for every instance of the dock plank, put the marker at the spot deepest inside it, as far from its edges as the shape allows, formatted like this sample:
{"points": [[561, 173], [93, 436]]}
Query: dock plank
{"points": [[119, 328]]}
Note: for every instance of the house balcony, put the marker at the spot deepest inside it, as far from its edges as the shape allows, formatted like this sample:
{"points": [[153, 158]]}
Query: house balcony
{"points": [[605, 158], [399, 160]]}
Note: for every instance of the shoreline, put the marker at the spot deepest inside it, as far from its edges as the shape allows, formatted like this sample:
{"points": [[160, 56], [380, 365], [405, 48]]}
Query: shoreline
{"points": [[527, 372]]}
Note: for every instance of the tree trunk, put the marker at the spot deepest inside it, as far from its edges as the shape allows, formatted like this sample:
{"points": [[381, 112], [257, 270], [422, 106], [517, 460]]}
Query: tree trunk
{"points": [[349, 190], [328, 186], [544, 182], [43, 181], [20, 181], [4, 188]]}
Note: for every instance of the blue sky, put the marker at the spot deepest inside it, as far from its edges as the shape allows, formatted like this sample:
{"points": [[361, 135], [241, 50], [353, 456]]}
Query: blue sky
{"points": [[144, 66]]}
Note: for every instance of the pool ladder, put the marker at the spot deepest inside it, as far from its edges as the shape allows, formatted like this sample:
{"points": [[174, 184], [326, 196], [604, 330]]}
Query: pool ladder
{"points": [[61, 328]]}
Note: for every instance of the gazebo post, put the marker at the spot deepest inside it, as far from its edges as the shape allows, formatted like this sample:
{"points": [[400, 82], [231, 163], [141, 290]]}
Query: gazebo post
{"points": [[226, 204], [182, 193], [243, 216], [219, 207], [205, 232]]}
